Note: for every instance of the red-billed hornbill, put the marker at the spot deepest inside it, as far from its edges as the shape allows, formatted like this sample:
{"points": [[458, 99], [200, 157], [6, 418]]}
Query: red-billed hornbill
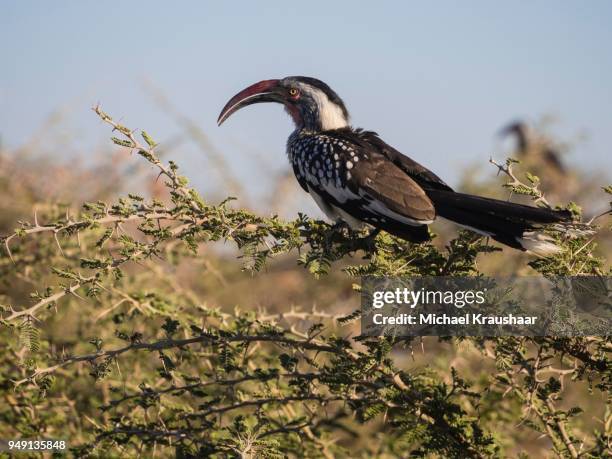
{"points": [[356, 178]]}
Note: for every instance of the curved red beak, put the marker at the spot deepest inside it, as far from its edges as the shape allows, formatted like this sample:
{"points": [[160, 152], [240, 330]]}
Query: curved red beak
{"points": [[264, 91]]}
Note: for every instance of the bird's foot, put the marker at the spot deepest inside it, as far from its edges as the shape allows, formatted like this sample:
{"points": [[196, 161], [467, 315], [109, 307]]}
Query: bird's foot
{"points": [[340, 228], [365, 243], [368, 243]]}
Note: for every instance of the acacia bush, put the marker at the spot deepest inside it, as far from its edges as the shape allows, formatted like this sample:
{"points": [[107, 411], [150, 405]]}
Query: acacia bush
{"points": [[120, 356]]}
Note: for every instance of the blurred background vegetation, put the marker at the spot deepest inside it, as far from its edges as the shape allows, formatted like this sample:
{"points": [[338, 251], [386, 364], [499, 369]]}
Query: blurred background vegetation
{"points": [[214, 287]]}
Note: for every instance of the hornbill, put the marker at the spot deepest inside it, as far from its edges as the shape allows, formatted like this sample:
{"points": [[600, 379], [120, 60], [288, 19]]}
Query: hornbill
{"points": [[525, 145], [358, 179]]}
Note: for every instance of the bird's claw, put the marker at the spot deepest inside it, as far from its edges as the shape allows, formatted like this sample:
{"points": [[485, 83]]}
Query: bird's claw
{"points": [[369, 242]]}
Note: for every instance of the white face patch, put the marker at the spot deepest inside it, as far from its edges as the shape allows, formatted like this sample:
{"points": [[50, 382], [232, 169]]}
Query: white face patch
{"points": [[330, 114]]}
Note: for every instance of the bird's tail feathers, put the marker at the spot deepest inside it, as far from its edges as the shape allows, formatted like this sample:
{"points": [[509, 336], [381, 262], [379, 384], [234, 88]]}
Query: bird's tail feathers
{"points": [[539, 243], [544, 245], [516, 225]]}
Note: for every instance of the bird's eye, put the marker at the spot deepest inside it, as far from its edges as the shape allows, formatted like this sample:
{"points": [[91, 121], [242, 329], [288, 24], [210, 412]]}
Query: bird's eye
{"points": [[293, 92]]}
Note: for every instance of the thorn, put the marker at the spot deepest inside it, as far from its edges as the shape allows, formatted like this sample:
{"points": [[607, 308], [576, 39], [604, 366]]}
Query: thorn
{"points": [[598, 216], [30, 316], [58, 243], [102, 287], [78, 296], [8, 250]]}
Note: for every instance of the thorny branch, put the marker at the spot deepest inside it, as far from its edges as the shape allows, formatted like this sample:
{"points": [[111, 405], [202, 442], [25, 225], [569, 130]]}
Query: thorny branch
{"points": [[517, 186], [258, 376]]}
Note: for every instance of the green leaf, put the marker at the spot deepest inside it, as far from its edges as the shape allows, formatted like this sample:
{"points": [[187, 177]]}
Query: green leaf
{"points": [[148, 139], [29, 336], [122, 142], [534, 179]]}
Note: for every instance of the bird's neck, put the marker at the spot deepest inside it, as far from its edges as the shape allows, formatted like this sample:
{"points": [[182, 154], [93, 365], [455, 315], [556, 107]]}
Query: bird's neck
{"points": [[314, 124], [303, 131], [318, 116], [311, 122]]}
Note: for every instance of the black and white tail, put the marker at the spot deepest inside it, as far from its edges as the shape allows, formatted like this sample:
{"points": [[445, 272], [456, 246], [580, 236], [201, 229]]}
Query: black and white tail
{"points": [[515, 225]]}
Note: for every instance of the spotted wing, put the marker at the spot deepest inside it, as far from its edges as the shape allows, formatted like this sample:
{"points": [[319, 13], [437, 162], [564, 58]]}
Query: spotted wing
{"points": [[390, 192], [419, 173], [298, 175], [378, 185]]}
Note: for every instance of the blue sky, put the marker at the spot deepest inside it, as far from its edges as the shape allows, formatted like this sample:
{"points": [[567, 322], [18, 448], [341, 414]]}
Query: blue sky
{"points": [[435, 79]]}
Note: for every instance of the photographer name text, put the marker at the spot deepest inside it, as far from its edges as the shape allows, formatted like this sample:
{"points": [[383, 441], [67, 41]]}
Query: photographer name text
{"points": [[445, 319]]}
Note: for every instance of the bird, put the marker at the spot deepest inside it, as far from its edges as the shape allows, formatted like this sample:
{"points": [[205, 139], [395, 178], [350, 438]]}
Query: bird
{"points": [[359, 180], [525, 146]]}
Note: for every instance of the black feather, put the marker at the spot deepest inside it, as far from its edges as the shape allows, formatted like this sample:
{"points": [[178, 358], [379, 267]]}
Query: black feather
{"points": [[504, 221]]}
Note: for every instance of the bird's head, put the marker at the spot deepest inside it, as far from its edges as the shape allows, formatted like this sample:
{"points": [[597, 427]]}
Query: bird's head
{"points": [[311, 103], [516, 128], [520, 131]]}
